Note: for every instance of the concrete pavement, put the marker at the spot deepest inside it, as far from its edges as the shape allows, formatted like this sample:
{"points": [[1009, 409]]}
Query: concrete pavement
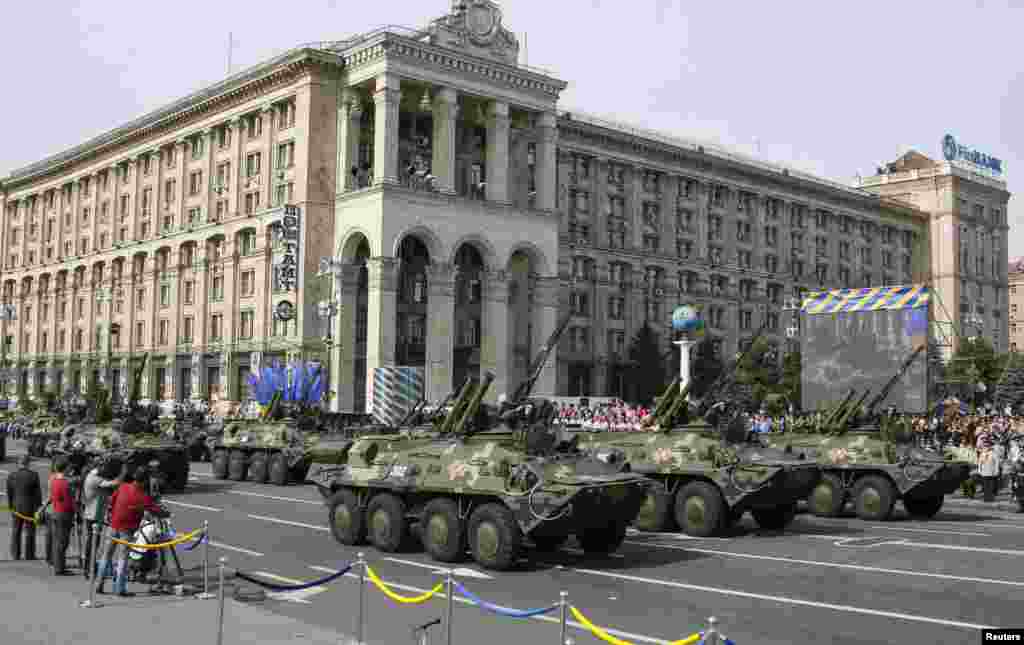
{"points": [[841, 581]]}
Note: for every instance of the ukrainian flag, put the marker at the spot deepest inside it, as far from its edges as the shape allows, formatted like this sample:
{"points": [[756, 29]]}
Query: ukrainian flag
{"points": [[869, 299]]}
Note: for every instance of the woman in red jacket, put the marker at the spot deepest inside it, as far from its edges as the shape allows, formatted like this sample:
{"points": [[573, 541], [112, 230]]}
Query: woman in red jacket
{"points": [[127, 505]]}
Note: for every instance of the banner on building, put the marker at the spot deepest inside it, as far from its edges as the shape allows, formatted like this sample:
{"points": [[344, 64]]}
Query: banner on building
{"points": [[287, 266], [395, 391]]}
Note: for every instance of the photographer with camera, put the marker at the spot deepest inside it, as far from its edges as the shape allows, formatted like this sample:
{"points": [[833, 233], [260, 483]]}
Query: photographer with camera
{"points": [[100, 483], [127, 505]]}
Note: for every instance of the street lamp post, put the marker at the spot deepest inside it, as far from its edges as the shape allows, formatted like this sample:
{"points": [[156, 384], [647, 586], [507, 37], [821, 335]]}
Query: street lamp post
{"points": [[327, 310]]}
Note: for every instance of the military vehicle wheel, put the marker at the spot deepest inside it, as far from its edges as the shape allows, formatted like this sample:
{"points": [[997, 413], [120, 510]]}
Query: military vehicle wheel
{"points": [[219, 465], [385, 522], [442, 532], [604, 540], [774, 519], [828, 497], [549, 543], [258, 469], [237, 466], [926, 507], [348, 523], [700, 509], [278, 470], [494, 537], [656, 514], [873, 497]]}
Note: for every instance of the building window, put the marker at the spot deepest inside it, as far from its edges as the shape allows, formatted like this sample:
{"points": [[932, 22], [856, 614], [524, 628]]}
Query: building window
{"points": [[61, 340], [616, 307], [286, 115], [252, 164], [617, 343], [224, 175], [193, 216], [162, 333], [171, 156], [224, 136], [283, 194], [216, 327], [254, 126], [246, 324], [195, 182], [79, 337], [286, 155], [81, 308], [197, 147], [169, 187], [140, 334], [248, 282], [252, 202], [190, 292], [165, 296], [222, 210], [247, 241], [186, 329], [217, 289], [579, 303]]}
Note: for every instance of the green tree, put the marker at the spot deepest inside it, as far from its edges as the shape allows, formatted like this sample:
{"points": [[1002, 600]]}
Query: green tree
{"points": [[974, 362], [1010, 389], [789, 383], [648, 365], [705, 367]]}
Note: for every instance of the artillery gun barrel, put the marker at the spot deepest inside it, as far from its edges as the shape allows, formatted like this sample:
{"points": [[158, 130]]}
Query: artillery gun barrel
{"points": [[664, 402], [836, 412], [460, 403], [884, 392], [474, 404], [677, 405], [852, 411]]}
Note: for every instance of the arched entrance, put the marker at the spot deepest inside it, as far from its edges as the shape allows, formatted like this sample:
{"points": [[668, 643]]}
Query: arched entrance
{"points": [[411, 318], [468, 314], [521, 275]]}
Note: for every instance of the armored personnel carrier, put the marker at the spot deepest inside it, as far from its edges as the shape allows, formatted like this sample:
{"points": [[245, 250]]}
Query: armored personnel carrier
{"points": [[869, 460], [484, 480], [45, 433], [274, 448], [706, 473], [131, 438]]}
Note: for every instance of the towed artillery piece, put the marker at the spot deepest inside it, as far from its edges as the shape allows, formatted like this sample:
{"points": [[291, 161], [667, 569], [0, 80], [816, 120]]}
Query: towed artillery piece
{"points": [[274, 448], [869, 460], [482, 480], [706, 472]]}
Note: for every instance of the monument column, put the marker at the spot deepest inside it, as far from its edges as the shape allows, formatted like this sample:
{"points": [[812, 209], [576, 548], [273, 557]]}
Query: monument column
{"points": [[497, 152], [385, 145], [446, 110], [440, 331], [350, 117], [546, 161]]}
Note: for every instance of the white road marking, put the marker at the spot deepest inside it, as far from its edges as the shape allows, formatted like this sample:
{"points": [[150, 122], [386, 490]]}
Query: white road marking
{"points": [[300, 596], [290, 523], [221, 545], [783, 599], [895, 528], [617, 556], [855, 567], [673, 536], [195, 506], [547, 619], [846, 541], [460, 572], [275, 497]]}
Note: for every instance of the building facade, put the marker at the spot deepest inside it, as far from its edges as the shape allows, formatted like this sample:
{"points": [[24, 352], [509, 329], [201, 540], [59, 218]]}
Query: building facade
{"points": [[1015, 279], [463, 211], [969, 242]]}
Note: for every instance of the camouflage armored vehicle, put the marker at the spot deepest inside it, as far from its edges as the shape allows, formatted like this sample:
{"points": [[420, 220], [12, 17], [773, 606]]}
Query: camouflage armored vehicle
{"points": [[276, 447], [45, 433], [706, 473], [869, 459], [131, 438], [484, 480]]}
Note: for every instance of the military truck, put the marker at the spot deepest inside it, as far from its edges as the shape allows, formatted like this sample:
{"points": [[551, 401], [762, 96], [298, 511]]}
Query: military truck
{"points": [[706, 472], [132, 438], [274, 448], [483, 480], [868, 459]]}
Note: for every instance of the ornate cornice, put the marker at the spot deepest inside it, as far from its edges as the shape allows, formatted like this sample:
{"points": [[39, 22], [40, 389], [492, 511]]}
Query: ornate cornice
{"points": [[233, 90]]}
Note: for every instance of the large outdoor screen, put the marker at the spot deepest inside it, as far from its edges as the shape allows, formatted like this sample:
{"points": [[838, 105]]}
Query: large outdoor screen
{"points": [[857, 339]]}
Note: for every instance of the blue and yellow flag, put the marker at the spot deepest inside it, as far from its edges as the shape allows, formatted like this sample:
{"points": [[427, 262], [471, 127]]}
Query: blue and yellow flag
{"points": [[868, 299]]}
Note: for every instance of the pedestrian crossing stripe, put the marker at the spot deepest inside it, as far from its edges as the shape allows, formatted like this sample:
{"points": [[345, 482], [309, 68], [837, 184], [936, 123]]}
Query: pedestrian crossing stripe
{"points": [[866, 299]]}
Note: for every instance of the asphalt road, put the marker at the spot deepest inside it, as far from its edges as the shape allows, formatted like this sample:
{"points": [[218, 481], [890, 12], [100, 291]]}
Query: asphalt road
{"points": [[841, 581]]}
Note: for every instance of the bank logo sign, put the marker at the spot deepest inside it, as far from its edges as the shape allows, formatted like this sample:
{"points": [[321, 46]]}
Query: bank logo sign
{"points": [[954, 152]]}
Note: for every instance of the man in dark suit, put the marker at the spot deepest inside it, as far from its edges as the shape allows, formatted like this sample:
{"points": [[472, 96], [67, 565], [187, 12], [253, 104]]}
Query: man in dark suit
{"points": [[25, 495]]}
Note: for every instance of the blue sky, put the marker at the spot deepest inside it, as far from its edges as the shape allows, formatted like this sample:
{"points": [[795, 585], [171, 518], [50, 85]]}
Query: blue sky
{"points": [[833, 88]]}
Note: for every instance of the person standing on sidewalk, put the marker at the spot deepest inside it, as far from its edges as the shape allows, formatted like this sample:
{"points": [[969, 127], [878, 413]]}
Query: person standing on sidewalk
{"points": [[127, 505], [988, 462], [63, 516], [25, 495], [95, 494]]}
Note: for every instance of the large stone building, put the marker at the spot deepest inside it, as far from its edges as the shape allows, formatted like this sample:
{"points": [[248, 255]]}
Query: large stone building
{"points": [[1015, 278], [463, 211], [967, 211]]}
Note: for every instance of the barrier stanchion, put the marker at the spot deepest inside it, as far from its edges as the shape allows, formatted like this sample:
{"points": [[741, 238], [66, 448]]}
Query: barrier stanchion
{"points": [[711, 636], [220, 601], [563, 616], [362, 592], [451, 607], [206, 595]]}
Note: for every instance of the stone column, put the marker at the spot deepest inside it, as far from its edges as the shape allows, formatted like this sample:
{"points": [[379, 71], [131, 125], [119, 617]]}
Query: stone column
{"points": [[197, 375], [227, 367], [182, 179], [382, 296], [545, 321], [350, 117], [446, 110], [669, 196], [237, 159], [546, 161], [385, 144], [440, 330], [494, 345], [599, 204], [270, 147], [497, 154], [343, 353], [635, 205]]}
